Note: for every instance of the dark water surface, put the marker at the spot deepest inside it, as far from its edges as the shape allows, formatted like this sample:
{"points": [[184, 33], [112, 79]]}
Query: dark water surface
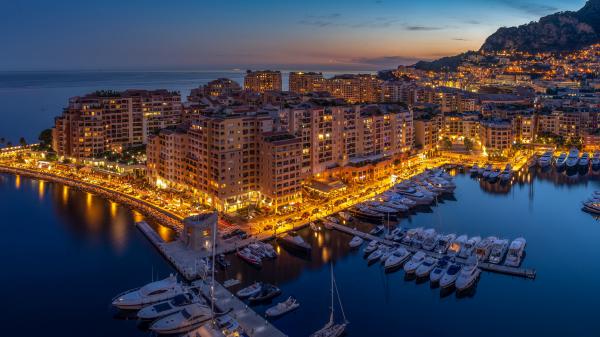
{"points": [[66, 256]]}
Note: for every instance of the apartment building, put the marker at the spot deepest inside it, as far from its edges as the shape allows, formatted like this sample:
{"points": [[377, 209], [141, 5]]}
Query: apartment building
{"points": [[306, 82], [111, 121], [262, 80], [496, 135], [428, 130], [360, 88]]}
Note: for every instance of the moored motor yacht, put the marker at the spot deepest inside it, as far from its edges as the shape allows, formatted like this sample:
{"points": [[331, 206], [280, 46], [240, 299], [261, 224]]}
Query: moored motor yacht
{"points": [[356, 242], [426, 267], [250, 290], [573, 158], [371, 247], [468, 275], [484, 248], [246, 255], [488, 170], [283, 307], [183, 321], [450, 276], [430, 239], [498, 251], [411, 234], [376, 255], [546, 159], [469, 246], [440, 269], [494, 175], [295, 242], [561, 161], [267, 292], [456, 245], [417, 196], [151, 293], [474, 170], [396, 259], [377, 230], [596, 161], [506, 173], [414, 262], [443, 243], [515, 252], [168, 307], [584, 161]]}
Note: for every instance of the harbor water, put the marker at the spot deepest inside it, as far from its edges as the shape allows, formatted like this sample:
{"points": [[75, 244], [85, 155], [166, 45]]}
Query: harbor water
{"points": [[66, 254]]}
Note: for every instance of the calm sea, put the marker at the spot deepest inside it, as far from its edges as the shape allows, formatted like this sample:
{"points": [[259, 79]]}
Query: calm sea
{"points": [[67, 253], [29, 101]]}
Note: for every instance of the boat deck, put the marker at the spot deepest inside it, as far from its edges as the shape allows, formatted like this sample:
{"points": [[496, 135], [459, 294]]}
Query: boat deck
{"points": [[496, 268]]}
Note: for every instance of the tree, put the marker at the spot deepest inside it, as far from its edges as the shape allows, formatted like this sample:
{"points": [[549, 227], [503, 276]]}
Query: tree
{"points": [[468, 144], [45, 139], [446, 143], [22, 141], [2, 141]]}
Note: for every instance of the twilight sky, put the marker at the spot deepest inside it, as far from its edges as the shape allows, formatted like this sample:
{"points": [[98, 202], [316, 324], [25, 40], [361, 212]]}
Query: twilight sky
{"points": [[225, 34]]}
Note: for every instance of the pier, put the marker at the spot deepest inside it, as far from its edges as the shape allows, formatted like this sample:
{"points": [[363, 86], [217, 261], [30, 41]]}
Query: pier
{"points": [[496, 268]]}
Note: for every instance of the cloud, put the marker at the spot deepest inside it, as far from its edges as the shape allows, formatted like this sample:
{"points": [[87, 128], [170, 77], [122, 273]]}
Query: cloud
{"points": [[422, 28], [336, 20], [530, 8], [472, 22], [386, 61], [459, 39]]}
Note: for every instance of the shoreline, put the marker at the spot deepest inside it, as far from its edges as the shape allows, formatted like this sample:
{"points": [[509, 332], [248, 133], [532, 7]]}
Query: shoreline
{"points": [[149, 211]]}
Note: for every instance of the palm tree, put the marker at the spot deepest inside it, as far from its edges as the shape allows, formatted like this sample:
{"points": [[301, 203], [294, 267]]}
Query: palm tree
{"points": [[2, 141], [22, 141]]}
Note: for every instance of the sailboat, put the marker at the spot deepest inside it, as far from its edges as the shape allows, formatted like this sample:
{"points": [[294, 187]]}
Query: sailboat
{"points": [[332, 329]]}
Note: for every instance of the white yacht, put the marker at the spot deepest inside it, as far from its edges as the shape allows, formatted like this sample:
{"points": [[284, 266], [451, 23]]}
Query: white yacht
{"points": [[149, 294], [426, 267], [371, 247], [440, 269], [283, 307], [494, 175], [443, 243], [546, 159], [561, 161], [484, 248], [468, 275], [474, 170], [411, 234], [430, 239], [488, 170], [414, 262], [469, 246], [506, 173], [450, 276], [250, 290], [376, 255], [456, 245], [584, 161], [498, 251], [515, 252], [183, 321], [573, 158], [356, 242], [416, 196], [168, 307], [396, 259]]}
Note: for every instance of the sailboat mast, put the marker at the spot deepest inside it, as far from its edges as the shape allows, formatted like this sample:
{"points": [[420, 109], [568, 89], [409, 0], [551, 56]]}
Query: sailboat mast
{"points": [[331, 307]]}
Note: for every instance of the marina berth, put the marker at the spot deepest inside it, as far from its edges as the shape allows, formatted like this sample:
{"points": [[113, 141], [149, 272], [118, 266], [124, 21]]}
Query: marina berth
{"points": [[396, 259], [469, 246], [546, 159], [414, 262], [561, 161], [573, 159], [283, 307], [468, 275], [185, 320], [293, 241], [356, 242], [484, 248], [267, 292], [450, 276], [456, 245], [426, 267], [444, 242], [440, 269], [250, 290], [498, 251], [151, 293], [515, 252], [165, 308]]}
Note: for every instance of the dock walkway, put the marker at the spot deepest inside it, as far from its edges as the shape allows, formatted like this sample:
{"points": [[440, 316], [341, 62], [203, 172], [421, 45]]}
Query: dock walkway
{"points": [[254, 324], [496, 268]]}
